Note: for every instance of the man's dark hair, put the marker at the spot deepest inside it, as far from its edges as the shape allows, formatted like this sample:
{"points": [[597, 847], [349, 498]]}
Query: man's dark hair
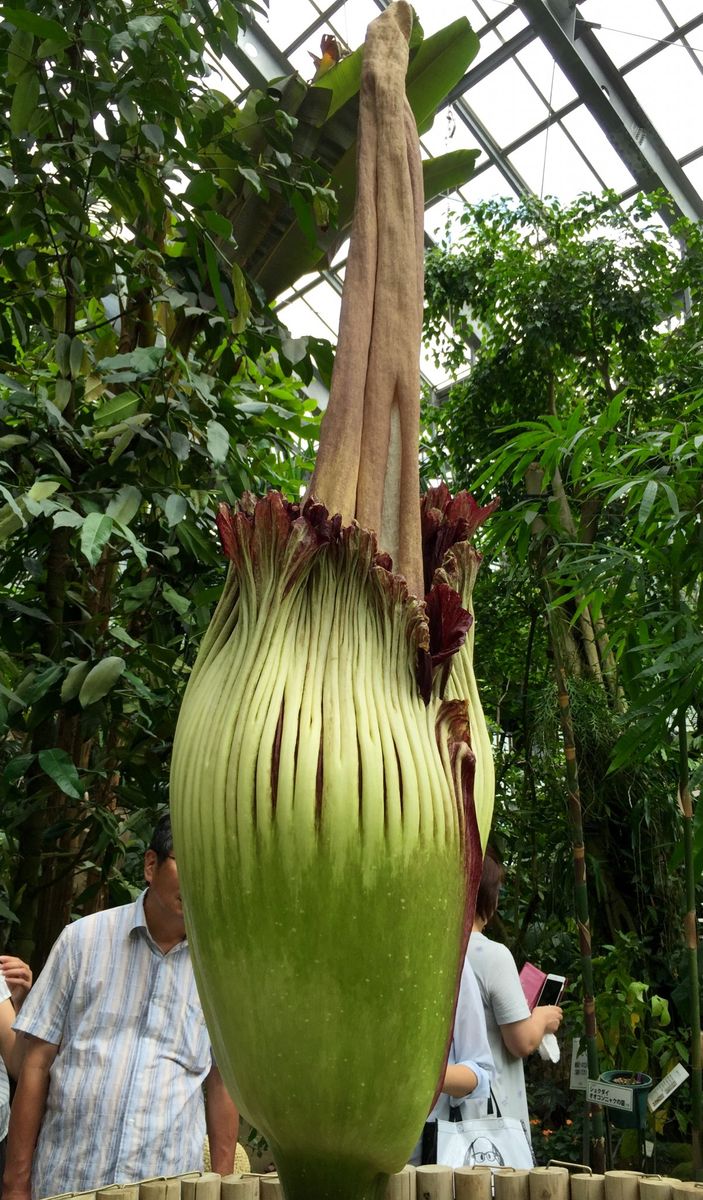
{"points": [[162, 838], [491, 879]]}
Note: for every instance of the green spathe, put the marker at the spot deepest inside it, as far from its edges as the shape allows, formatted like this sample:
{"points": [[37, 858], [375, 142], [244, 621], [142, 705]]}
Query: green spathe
{"points": [[331, 848]]}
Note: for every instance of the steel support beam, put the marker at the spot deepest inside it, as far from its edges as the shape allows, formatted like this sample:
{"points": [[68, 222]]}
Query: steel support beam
{"points": [[611, 102]]}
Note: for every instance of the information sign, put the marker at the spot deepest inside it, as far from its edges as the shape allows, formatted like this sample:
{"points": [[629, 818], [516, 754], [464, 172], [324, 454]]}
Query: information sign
{"points": [[669, 1084], [579, 1067], [610, 1095]]}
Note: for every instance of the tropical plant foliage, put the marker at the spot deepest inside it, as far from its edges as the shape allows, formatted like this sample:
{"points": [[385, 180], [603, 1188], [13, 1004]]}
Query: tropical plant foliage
{"points": [[147, 221], [583, 409]]}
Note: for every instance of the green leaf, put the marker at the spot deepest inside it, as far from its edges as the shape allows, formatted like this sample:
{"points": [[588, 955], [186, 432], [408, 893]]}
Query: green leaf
{"points": [[439, 64], [17, 768], [100, 680], [60, 767], [71, 685], [67, 519], [11, 440], [200, 190], [647, 503], [179, 603], [62, 393], [176, 509], [42, 489], [76, 356], [128, 109], [117, 409], [154, 134], [40, 26], [125, 505], [144, 24], [62, 352], [7, 177], [253, 178], [213, 272], [217, 442], [218, 224], [122, 636], [96, 531], [242, 299], [25, 101], [19, 55], [448, 171], [125, 532]]}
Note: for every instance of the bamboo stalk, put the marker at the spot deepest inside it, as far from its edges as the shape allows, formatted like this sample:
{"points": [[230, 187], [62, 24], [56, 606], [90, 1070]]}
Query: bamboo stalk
{"points": [[597, 1149], [691, 935]]}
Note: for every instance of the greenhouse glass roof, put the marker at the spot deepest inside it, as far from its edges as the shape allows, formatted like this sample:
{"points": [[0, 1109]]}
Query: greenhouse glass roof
{"points": [[562, 98]]}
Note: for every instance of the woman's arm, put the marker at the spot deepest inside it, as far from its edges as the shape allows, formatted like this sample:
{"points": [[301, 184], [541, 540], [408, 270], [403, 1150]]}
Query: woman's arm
{"points": [[523, 1037]]}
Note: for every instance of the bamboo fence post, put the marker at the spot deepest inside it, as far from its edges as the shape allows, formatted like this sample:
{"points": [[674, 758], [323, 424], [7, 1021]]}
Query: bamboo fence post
{"points": [[588, 1187], [401, 1186], [656, 1188], [207, 1187], [472, 1183], [512, 1183], [686, 1189], [270, 1188], [116, 1191], [434, 1182], [622, 1185], [549, 1183], [239, 1187]]}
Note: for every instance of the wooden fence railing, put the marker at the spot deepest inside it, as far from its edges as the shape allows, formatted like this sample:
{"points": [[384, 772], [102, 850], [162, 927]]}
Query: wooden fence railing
{"points": [[421, 1183]]}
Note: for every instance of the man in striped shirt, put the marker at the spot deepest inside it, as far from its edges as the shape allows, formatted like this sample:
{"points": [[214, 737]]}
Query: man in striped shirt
{"points": [[117, 1053]]}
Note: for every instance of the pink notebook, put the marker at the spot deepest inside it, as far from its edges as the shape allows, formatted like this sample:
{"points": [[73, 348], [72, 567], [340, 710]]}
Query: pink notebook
{"points": [[532, 980]]}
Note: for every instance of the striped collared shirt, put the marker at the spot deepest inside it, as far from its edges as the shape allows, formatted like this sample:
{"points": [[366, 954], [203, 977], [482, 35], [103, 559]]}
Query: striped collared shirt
{"points": [[4, 1081], [125, 1091]]}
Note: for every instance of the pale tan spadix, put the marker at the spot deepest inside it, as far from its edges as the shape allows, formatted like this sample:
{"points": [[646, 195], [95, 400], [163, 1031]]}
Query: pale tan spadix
{"points": [[367, 465]]}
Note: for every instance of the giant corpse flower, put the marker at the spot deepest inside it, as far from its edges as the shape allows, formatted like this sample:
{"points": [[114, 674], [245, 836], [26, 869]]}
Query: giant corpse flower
{"points": [[332, 778]]}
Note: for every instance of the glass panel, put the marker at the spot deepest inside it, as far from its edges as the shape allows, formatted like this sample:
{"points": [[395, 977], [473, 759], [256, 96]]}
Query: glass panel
{"points": [[225, 78], [628, 27], [541, 68], [683, 10], [506, 103], [439, 13], [561, 172], [694, 170], [489, 185], [593, 143], [487, 45], [350, 22], [670, 89], [285, 21], [303, 321], [447, 133]]}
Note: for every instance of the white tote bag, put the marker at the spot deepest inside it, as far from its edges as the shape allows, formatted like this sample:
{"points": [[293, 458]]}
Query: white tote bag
{"points": [[492, 1141]]}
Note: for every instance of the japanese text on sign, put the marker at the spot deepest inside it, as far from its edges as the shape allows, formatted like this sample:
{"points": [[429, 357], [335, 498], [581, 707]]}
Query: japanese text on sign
{"points": [[579, 1067], [668, 1085], [610, 1095]]}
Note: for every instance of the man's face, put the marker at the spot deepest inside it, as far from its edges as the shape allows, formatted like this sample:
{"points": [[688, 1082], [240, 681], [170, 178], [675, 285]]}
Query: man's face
{"points": [[164, 888]]}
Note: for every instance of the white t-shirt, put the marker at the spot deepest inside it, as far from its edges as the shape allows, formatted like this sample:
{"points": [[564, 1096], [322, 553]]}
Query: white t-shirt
{"points": [[503, 1002], [4, 1081]]}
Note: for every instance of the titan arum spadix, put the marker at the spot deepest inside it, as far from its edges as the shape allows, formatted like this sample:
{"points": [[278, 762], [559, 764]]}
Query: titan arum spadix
{"points": [[332, 779]]}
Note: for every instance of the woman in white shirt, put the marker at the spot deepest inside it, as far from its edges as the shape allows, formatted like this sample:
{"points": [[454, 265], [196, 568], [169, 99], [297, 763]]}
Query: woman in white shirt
{"points": [[513, 1031], [469, 1067]]}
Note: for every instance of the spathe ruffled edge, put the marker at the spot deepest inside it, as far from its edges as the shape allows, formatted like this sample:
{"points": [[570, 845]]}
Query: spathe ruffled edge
{"points": [[272, 527]]}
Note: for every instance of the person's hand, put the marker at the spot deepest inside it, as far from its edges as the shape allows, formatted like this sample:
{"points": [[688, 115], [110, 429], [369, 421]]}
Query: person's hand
{"points": [[551, 1015], [18, 977]]}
